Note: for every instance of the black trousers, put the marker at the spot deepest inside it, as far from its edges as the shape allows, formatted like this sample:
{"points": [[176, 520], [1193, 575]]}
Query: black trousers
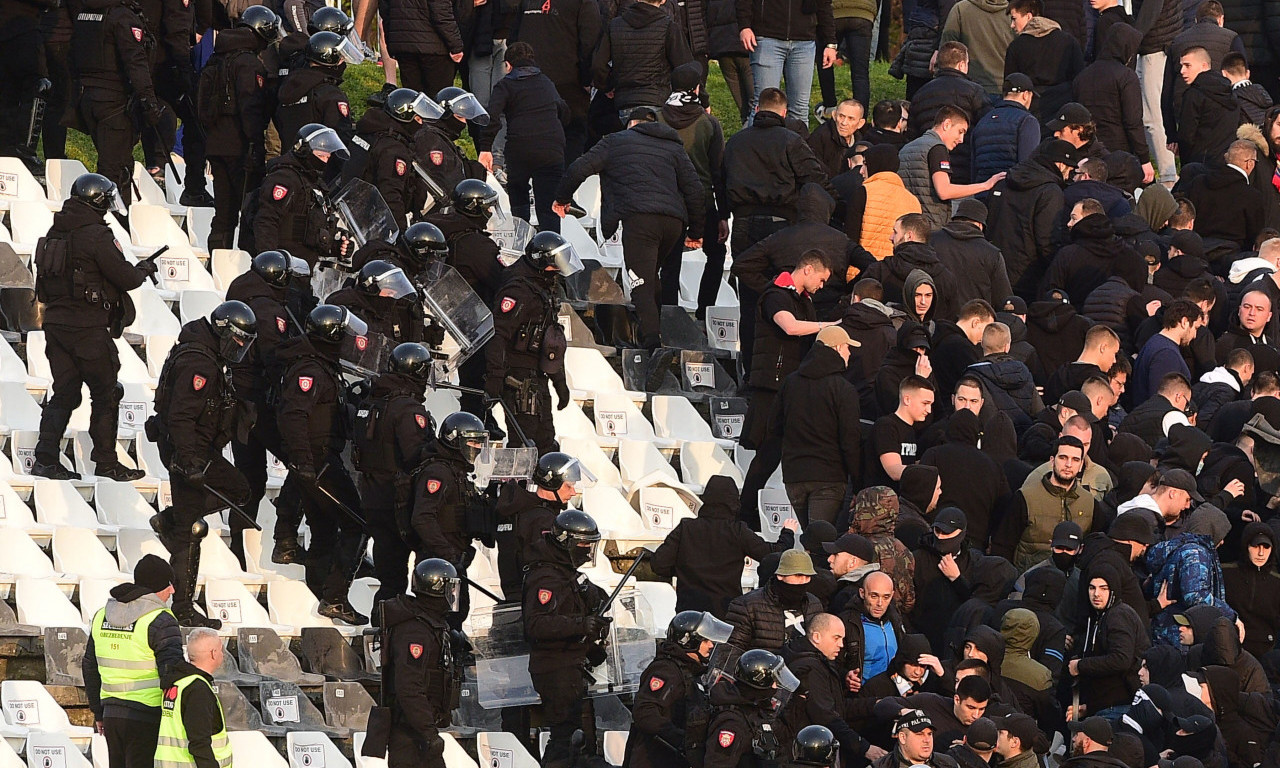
{"points": [[230, 175], [336, 539], [409, 749], [191, 504], [251, 461], [131, 743], [544, 179], [709, 285], [57, 56], [390, 551], [562, 693], [747, 231], [81, 356], [736, 70], [106, 114], [535, 422], [20, 60], [158, 140], [426, 72], [646, 241]]}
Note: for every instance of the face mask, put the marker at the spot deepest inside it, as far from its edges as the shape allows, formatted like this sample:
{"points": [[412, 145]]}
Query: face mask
{"points": [[580, 556], [790, 594], [951, 546], [1194, 744], [1064, 561]]}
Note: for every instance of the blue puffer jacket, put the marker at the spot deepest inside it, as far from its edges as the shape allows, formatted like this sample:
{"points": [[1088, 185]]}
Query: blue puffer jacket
{"points": [[1188, 564], [994, 139]]}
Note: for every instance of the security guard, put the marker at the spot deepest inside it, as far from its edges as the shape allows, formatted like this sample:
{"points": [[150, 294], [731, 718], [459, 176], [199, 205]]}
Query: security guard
{"points": [[448, 511], [391, 430], [133, 642], [815, 747], [290, 53], [197, 412], [528, 346], [671, 709], [313, 94], [83, 281], [193, 730], [743, 732], [524, 517], [311, 413], [421, 658], [233, 106], [435, 144], [386, 135], [565, 635], [293, 209], [110, 50], [383, 297], [264, 287], [420, 246]]}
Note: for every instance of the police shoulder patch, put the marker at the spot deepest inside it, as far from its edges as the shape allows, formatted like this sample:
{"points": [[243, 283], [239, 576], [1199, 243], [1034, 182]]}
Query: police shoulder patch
{"points": [[305, 382], [415, 650], [281, 325], [725, 739], [437, 157], [198, 382], [344, 108], [656, 683], [544, 596], [422, 420], [401, 167], [261, 80], [508, 304], [279, 191], [433, 486], [137, 33]]}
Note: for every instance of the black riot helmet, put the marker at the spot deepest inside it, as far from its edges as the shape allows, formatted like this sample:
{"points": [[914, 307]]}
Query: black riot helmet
{"points": [[815, 746], [313, 138], [424, 241], [463, 433], [413, 360], [330, 19], [236, 327], [547, 250], [690, 629], [475, 198], [455, 101], [555, 469], [382, 278], [758, 669], [272, 267], [437, 578], [404, 104], [262, 20], [329, 322], [575, 532], [98, 192], [325, 49]]}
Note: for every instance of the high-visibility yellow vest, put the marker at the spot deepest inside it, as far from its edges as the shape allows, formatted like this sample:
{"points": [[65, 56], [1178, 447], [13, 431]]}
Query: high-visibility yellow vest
{"points": [[172, 748], [126, 662]]}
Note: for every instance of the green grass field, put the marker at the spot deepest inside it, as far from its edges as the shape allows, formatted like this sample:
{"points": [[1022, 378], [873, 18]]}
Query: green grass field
{"points": [[362, 80]]}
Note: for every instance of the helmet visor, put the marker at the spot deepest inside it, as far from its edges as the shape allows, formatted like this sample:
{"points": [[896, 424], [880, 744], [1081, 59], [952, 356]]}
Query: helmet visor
{"points": [[115, 204], [453, 594], [350, 48], [566, 260], [713, 629], [472, 443], [236, 345], [325, 140], [426, 108], [395, 285], [577, 474], [468, 107], [299, 267], [354, 326]]}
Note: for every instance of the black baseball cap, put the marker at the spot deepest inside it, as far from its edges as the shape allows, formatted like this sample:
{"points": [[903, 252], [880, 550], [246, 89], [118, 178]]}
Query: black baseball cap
{"points": [[1072, 113], [1023, 727], [1096, 728], [949, 520], [1019, 83], [857, 545], [1015, 304], [1067, 534], [1079, 402], [1059, 151], [1183, 481], [914, 720], [982, 734]]}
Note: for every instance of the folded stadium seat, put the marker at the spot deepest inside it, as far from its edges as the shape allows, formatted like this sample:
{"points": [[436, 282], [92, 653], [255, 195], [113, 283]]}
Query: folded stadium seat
{"points": [[149, 460], [441, 403], [235, 606], [57, 749], [78, 552], [194, 304], [258, 546], [728, 414], [361, 594], [742, 460], [14, 369], [16, 515], [131, 252], [595, 459], [44, 602], [154, 315], [241, 715], [675, 417], [217, 561], [640, 460], [94, 594], [30, 221], [148, 192], [199, 220], [227, 264], [132, 369], [156, 348], [775, 508], [22, 453], [618, 416], [174, 185], [614, 516], [357, 746], [504, 202], [588, 196], [615, 745], [19, 411], [21, 557], [326, 652], [119, 503], [578, 334], [722, 328], [63, 653], [18, 184], [291, 603], [229, 671], [263, 652], [285, 705], [503, 749], [572, 229], [590, 376], [250, 749], [662, 604], [662, 508], [58, 502], [572, 422], [28, 705], [347, 706], [700, 461], [59, 175], [312, 749], [82, 449], [692, 264]]}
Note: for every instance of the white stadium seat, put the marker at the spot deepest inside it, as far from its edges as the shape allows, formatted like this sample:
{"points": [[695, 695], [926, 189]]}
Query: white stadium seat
{"points": [[312, 749], [250, 749], [41, 602]]}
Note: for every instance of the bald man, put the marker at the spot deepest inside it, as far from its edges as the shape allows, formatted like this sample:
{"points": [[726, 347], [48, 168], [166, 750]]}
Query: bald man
{"points": [[192, 727]]}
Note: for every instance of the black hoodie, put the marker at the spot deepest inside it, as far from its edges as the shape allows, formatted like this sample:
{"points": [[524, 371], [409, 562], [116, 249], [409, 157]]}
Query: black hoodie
{"points": [[816, 418], [892, 274], [1110, 90], [1207, 120], [899, 363], [1110, 652], [1247, 720], [868, 324], [975, 264], [1094, 255], [1023, 211], [705, 554], [1254, 592], [1057, 332], [971, 480], [1227, 206], [259, 366]]}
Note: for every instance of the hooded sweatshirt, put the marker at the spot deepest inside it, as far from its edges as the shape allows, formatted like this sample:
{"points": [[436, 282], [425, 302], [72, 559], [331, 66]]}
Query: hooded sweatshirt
{"points": [[1109, 89], [868, 323], [1051, 58], [971, 480], [1247, 720], [899, 363], [1021, 628], [1057, 332], [816, 419], [1111, 649], [1094, 255], [907, 256], [1208, 119], [983, 26], [1024, 209], [1255, 591]]}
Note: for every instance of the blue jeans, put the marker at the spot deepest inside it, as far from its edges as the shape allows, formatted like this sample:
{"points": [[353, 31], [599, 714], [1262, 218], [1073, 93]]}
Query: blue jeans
{"points": [[483, 73], [773, 60]]}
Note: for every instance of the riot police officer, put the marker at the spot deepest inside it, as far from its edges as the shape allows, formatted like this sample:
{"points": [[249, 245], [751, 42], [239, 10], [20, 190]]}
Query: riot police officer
{"points": [[435, 144], [24, 75], [313, 94], [386, 135], [420, 246], [312, 419], [170, 23], [422, 668], [743, 733], [448, 510], [289, 52], [264, 287], [383, 297], [293, 210], [391, 430], [565, 633], [815, 747], [671, 710], [83, 280], [233, 106], [196, 415], [110, 50], [524, 517], [528, 345]]}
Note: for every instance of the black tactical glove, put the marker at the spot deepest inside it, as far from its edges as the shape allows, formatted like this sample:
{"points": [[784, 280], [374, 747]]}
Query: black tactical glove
{"points": [[596, 655], [562, 392], [595, 627], [152, 110], [148, 267]]}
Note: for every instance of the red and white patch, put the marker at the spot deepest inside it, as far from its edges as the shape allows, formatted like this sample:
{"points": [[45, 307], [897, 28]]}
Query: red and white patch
{"points": [[508, 304], [279, 191], [198, 382], [544, 596], [137, 33], [344, 108], [305, 382], [281, 325], [261, 80], [415, 650], [656, 683], [401, 167], [725, 739], [362, 342], [433, 486], [437, 157], [422, 421]]}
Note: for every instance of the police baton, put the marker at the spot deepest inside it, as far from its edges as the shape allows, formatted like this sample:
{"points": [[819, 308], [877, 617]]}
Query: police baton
{"points": [[348, 511], [233, 506], [152, 260], [481, 589], [604, 607], [489, 400]]}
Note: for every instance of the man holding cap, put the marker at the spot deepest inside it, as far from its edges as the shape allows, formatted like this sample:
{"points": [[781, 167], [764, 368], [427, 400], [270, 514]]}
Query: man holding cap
{"points": [[134, 641], [1016, 741], [775, 614], [817, 421], [1007, 134], [913, 731]]}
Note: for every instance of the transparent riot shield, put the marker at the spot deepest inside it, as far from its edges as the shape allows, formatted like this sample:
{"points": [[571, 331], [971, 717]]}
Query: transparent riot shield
{"points": [[502, 653], [511, 233], [437, 194], [367, 354], [326, 279], [465, 317], [364, 214], [500, 464]]}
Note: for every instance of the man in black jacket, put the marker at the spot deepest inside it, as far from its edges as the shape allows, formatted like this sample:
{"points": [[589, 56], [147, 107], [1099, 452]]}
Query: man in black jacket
{"points": [[650, 187], [290, 215], [1110, 90], [563, 34], [637, 52], [1110, 652], [1227, 206], [1024, 212], [387, 135], [977, 267], [817, 420], [1206, 29], [424, 39], [1044, 52], [1094, 255], [1209, 115], [868, 321], [776, 614], [313, 94], [191, 701]]}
